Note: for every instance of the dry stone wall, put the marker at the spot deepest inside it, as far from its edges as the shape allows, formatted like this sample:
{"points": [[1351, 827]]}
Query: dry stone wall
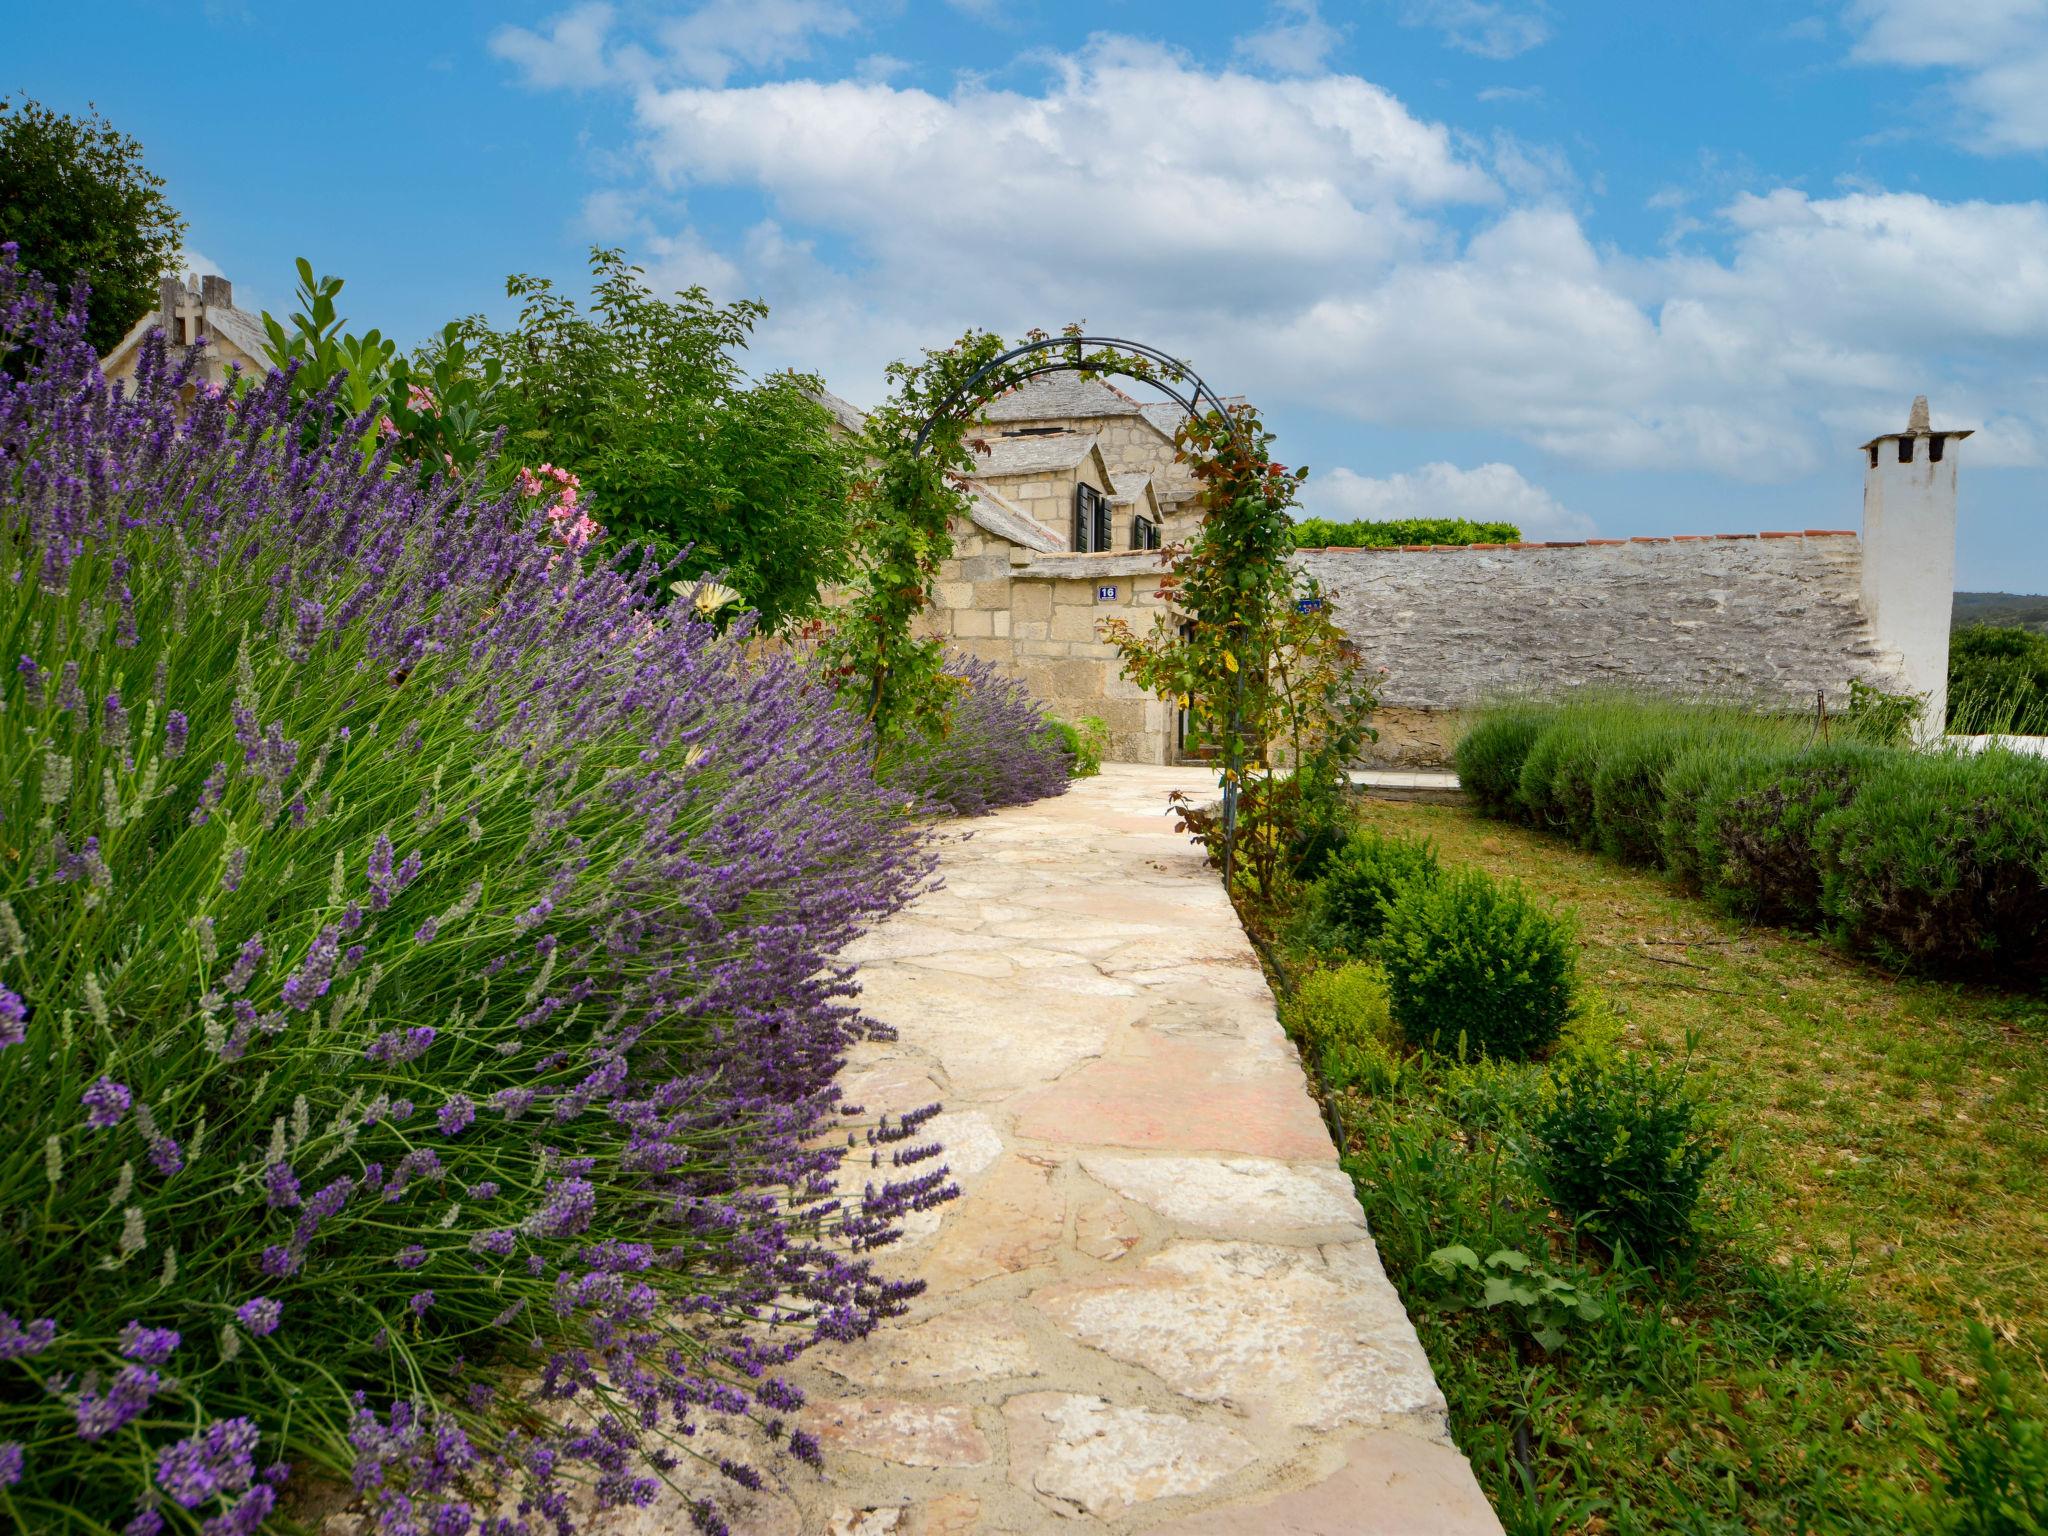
{"points": [[1764, 617]]}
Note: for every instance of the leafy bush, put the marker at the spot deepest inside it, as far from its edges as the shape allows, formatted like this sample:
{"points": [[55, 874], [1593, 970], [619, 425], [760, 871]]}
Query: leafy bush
{"points": [[1083, 741], [1556, 789], [1348, 904], [1941, 862], [993, 747], [1392, 533], [1474, 961], [1542, 1303], [1754, 822], [1997, 681], [1345, 1002], [1629, 789], [417, 987], [1993, 1452], [1620, 1150], [1490, 756]]}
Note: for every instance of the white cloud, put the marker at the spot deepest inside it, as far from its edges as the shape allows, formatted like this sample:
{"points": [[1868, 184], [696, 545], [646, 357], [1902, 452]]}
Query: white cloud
{"points": [[1486, 493], [1996, 49], [1336, 251], [1297, 41], [579, 47], [569, 54], [715, 40], [1483, 27]]}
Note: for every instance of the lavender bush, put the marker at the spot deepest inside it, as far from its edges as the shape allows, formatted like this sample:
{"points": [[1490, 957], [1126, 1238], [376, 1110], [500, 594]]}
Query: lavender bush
{"points": [[995, 746], [417, 1007]]}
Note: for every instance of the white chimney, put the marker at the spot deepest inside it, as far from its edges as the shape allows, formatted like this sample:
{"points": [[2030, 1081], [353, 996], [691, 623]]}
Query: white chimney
{"points": [[1909, 555]]}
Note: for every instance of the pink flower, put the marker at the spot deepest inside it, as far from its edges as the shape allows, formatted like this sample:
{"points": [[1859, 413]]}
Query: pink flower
{"points": [[420, 399]]}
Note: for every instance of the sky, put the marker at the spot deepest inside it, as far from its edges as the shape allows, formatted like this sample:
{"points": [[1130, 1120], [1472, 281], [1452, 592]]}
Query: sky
{"points": [[1604, 269]]}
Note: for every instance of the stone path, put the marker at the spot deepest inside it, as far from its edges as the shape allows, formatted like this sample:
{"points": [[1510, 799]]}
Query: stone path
{"points": [[1155, 1307]]}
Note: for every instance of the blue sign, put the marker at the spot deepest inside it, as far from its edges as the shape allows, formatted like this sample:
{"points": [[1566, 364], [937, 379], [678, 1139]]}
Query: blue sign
{"points": [[1106, 594], [1307, 604]]}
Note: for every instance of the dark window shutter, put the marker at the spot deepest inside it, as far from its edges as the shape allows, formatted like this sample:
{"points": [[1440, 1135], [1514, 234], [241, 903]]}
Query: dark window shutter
{"points": [[1084, 519], [1102, 534]]}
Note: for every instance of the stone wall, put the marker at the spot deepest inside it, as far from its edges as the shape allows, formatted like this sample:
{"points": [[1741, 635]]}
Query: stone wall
{"points": [[1764, 617], [1127, 443], [1037, 617]]}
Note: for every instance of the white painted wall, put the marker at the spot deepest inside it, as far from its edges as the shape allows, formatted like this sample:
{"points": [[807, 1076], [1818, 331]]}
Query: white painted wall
{"points": [[1909, 555]]}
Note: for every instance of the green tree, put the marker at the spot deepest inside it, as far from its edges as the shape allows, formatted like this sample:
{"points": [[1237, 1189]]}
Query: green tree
{"points": [[78, 201], [644, 399]]}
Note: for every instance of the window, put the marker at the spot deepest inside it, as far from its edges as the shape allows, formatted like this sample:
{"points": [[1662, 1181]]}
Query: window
{"points": [[1144, 533], [1091, 520]]}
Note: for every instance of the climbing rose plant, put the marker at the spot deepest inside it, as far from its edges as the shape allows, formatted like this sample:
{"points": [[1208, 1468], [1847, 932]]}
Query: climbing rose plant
{"points": [[418, 1012], [1269, 681]]}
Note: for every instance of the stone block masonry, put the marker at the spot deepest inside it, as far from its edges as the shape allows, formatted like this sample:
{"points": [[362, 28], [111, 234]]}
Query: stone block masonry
{"points": [[1769, 618], [1156, 1306]]}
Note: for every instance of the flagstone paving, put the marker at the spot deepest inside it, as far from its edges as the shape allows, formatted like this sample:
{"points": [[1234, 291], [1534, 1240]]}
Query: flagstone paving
{"points": [[1155, 1306]]}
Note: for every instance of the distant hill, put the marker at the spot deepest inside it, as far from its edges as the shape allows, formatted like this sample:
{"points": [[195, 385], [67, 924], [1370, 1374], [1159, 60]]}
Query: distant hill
{"points": [[2018, 610]]}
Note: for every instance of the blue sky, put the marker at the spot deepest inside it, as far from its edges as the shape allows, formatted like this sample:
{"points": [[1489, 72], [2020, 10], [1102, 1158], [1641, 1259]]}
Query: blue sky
{"points": [[1608, 268]]}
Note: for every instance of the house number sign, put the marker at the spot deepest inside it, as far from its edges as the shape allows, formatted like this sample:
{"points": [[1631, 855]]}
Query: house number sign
{"points": [[1307, 604], [1106, 594]]}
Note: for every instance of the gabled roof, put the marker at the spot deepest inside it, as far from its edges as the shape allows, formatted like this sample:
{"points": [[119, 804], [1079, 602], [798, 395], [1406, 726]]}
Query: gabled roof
{"points": [[1038, 454], [845, 412], [1060, 395], [1167, 415], [1130, 485], [237, 327], [995, 514]]}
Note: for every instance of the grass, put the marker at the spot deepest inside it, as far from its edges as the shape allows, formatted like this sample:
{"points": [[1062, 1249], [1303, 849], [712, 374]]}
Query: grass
{"points": [[1884, 1187]]}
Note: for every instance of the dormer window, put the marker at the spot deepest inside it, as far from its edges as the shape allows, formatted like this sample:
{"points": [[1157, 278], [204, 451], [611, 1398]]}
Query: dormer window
{"points": [[1144, 533], [1091, 520]]}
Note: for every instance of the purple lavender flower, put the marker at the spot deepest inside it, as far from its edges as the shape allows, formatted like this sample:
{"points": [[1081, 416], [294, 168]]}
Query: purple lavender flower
{"points": [[31, 679], [412, 1256], [488, 1190], [309, 983], [246, 1517], [222, 1460], [396, 1045], [10, 1463], [231, 873], [569, 1206], [166, 1156], [13, 1019], [114, 715], [147, 1522], [151, 1346], [280, 1186], [244, 969], [99, 1414], [279, 1261], [260, 1315], [17, 1341], [106, 1101], [418, 1303], [210, 795], [457, 1115], [176, 729], [380, 873]]}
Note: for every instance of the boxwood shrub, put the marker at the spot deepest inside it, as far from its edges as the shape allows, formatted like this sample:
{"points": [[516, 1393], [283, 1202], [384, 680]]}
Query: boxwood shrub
{"points": [[1474, 960], [1349, 903]]}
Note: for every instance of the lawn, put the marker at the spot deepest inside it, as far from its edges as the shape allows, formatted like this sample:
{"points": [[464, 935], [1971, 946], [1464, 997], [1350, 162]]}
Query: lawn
{"points": [[1882, 1189]]}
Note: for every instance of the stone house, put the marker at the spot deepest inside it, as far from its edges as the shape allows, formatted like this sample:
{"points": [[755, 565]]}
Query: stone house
{"points": [[1783, 618], [189, 309]]}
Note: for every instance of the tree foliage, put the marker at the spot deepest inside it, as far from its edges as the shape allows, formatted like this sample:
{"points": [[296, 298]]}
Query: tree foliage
{"points": [[1268, 679], [1392, 533], [77, 200], [644, 399]]}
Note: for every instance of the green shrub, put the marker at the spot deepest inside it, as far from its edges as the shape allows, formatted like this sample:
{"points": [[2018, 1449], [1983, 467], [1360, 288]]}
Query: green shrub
{"points": [[1620, 1150], [1083, 743], [1344, 1003], [1365, 1065], [1629, 790], [1556, 791], [1997, 681], [1993, 1454], [1752, 834], [1490, 755], [1392, 533], [1348, 905], [1475, 961], [1941, 863]]}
